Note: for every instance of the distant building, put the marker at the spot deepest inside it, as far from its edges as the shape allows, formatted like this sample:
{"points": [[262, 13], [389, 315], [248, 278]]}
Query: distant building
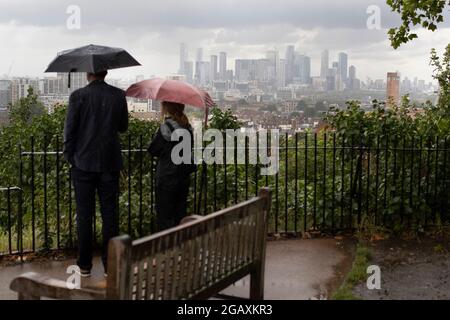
{"points": [[222, 65], [290, 61], [183, 58], [302, 69], [318, 83], [199, 64], [179, 77], [50, 86], [331, 79], [5, 93], [353, 83], [146, 116], [281, 73], [245, 69], [343, 66], [392, 89], [138, 106], [214, 68], [189, 71], [77, 80], [285, 94], [203, 73], [324, 64], [20, 86]]}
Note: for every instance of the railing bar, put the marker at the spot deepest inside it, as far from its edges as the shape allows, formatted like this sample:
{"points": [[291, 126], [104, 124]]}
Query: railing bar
{"points": [[129, 184], [58, 213], [296, 186], [286, 191], [141, 214], [324, 186], [305, 186]]}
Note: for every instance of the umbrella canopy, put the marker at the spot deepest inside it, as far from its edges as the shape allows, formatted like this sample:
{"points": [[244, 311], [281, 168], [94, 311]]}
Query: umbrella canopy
{"points": [[91, 58], [172, 91]]}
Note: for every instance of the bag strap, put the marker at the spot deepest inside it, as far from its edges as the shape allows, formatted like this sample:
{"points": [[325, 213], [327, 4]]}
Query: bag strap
{"points": [[171, 128]]}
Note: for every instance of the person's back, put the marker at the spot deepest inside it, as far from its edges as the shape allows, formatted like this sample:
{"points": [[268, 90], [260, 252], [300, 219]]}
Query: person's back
{"points": [[96, 115]]}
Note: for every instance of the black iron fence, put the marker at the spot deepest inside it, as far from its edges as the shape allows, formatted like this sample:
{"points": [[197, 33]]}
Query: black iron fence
{"points": [[325, 182]]}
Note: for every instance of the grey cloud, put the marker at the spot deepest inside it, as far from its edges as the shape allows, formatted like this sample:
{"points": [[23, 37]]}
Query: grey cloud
{"points": [[198, 14]]}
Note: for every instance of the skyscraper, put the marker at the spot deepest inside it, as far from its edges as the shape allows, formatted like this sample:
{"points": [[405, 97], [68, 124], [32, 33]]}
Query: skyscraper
{"points": [[203, 77], [199, 56], [277, 68], [183, 58], [302, 69], [353, 82], [281, 73], [393, 89], [272, 57], [189, 71], [352, 72], [324, 64], [305, 69], [213, 65], [343, 66], [222, 65], [290, 60], [198, 63], [244, 69]]}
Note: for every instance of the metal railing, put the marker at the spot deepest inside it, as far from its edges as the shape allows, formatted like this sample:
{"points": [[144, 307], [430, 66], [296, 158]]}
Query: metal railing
{"points": [[326, 182]]}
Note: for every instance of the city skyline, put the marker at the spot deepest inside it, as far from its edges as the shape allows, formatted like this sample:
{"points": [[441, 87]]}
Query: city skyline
{"points": [[244, 29], [227, 63]]}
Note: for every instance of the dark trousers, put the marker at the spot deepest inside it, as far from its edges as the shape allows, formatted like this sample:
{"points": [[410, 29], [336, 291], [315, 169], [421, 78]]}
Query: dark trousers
{"points": [[171, 203], [86, 184]]}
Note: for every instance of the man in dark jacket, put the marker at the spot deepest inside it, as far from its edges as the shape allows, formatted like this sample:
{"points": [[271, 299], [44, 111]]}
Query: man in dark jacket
{"points": [[96, 115]]}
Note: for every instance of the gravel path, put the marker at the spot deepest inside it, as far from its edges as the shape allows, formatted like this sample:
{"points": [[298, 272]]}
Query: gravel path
{"points": [[410, 270]]}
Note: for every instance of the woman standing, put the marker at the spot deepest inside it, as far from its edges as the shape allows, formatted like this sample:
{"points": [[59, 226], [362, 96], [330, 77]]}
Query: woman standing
{"points": [[171, 180]]}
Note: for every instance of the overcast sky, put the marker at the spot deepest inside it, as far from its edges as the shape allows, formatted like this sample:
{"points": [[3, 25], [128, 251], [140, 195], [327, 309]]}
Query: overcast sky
{"points": [[32, 31]]}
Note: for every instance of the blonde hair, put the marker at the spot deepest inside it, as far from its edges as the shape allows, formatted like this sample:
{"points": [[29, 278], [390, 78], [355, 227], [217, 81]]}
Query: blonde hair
{"points": [[176, 111]]}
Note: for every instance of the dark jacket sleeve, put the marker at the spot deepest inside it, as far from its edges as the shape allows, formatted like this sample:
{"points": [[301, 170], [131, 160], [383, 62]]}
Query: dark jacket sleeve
{"points": [[157, 145], [123, 122], [71, 126]]}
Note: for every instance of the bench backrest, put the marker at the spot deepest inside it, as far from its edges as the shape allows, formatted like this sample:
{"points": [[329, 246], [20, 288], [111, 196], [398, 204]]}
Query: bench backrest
{"points": [[193, 260]]}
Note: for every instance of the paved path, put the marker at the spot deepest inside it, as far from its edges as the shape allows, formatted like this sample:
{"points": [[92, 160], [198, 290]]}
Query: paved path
{"points": [[295, 269]]}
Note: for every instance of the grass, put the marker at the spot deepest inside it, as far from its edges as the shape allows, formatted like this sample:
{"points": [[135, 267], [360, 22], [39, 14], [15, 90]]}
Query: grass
{"points": [[357, 274]]}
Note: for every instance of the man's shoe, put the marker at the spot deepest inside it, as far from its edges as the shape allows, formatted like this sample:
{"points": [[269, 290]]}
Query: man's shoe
{"points": [[85, 273]]}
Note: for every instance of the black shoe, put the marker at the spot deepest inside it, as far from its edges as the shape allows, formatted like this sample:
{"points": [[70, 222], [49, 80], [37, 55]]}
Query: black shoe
{"points": [[85, 273]]}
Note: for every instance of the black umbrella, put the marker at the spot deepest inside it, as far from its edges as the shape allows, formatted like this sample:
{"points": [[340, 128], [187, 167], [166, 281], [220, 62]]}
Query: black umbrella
{"points": [[91, 58]]}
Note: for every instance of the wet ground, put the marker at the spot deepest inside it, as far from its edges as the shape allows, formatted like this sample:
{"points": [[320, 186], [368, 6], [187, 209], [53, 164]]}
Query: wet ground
{"points": [[295, 269], [410, 269]]}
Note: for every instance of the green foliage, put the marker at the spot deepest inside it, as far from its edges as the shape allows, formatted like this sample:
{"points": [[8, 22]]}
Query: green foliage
{"points": [[442, 75], [425, 13], [223, 119], [26, 108], [357, 274]]}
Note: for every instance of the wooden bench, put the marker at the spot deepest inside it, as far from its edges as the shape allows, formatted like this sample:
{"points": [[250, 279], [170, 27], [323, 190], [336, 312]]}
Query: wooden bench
{"points": [[195, 260]]}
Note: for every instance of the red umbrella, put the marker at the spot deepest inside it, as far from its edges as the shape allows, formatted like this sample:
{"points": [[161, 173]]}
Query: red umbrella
{"points": [[172, 91]]}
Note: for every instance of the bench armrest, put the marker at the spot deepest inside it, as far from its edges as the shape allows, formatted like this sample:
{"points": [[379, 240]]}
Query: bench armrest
{"points": [[33, 286]]}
